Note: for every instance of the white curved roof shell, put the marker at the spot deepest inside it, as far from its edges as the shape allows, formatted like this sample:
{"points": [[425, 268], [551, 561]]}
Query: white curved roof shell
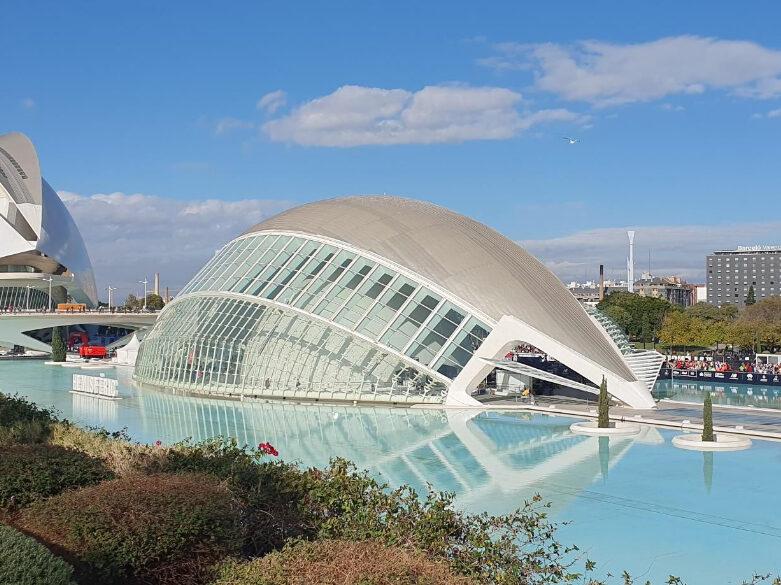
{"points": [[35, 227], [470, 260]]}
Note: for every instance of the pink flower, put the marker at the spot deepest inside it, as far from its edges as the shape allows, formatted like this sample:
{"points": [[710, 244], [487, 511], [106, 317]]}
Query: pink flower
{"points": [[158, 443]]}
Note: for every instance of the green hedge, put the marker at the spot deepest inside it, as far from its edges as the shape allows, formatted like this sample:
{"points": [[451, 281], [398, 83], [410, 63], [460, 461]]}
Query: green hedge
{"points": [[342, 562], [21, 421], [160, 528], [23, 561], [33, 472]]}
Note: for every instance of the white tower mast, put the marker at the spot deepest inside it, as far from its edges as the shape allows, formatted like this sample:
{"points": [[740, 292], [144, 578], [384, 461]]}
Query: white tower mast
{"points": [[630, 263]]}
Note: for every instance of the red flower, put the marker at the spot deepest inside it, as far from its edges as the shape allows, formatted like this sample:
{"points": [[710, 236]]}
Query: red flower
{"points": [[268, 449], [158, 443]]}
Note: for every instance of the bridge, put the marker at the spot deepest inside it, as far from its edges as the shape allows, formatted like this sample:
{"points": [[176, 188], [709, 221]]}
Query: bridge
{"points": [[13, 325]]}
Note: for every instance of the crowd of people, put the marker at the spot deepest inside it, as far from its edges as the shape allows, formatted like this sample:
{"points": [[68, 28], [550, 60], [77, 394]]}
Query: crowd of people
{"points": [[722, 366]]}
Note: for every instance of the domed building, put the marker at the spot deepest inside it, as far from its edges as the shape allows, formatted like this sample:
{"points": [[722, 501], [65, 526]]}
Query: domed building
{"points": [[377, 299], [38, 237]]}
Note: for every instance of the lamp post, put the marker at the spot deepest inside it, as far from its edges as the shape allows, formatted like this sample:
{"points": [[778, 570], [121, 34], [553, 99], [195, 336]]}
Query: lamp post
{"points": [[144, 282], [110, 289], [27, 304], [49, 280]]}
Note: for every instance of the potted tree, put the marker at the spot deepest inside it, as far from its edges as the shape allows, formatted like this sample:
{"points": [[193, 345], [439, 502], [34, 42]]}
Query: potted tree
{"points": [[708, 440], [603, 426]]}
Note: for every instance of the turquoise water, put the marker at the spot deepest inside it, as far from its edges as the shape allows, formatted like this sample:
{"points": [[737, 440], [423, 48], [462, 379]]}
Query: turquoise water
{"points": [[729, 394], [637, 504]]}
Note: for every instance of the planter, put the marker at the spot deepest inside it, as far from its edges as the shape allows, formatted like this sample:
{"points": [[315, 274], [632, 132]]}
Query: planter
{"points": [[618, 429], [723, 442]]}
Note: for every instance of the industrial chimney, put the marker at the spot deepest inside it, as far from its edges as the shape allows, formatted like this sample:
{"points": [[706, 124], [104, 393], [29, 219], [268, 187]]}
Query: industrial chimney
{"points": [[157, 284], [601, 282], [630, 263]]}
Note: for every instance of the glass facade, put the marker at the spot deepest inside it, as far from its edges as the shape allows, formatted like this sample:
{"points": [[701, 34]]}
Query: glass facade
{"points": [[21, 298], [273, 313]]}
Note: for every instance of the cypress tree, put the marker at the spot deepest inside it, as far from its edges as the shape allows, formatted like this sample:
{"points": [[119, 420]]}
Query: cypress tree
{"points": [[603, 408], [58, 345], [707, 419], [750, 300]]}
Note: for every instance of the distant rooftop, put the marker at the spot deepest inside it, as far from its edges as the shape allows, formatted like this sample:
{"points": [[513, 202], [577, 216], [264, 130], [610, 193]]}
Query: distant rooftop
{"points": [[750, 250]]}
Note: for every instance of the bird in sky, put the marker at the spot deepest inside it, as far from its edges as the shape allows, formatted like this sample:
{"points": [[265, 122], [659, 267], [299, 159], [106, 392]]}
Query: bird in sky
{"points": [[570, 139]]}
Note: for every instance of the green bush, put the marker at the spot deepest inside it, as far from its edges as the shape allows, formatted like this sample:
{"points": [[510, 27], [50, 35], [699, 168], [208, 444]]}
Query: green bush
{"points": [[23, 561], [33, 472], [152, 529], [21, 421], [519, 547], [342, 562], [18, 409]]}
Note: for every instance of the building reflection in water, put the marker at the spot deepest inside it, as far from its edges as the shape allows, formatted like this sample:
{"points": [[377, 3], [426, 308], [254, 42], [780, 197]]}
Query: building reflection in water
{"points": [[103, 413], [489, 459]]}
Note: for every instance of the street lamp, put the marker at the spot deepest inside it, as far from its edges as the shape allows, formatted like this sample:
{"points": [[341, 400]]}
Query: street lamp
{"points": [[110, 289], [27, 304], [49, 280], [144, 282]]}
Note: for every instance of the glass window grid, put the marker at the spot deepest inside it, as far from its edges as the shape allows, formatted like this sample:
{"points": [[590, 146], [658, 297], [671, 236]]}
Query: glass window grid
{"points": [[16, 298], [325, 281], [323, 360], [328, 284], [375, 284], [344, 288]]}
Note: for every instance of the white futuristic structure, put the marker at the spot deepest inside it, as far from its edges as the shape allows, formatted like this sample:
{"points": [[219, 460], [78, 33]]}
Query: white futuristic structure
{"points": [[377, 299], [43, 260], [38, 237]]}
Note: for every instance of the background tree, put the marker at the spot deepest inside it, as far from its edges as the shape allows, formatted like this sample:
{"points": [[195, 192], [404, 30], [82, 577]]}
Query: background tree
{"points": [[133, 303], [750, 300], [675, 329], [640, 317], [58, 344], [763, 321], [707, 419], [154, 301], [603, 408]]}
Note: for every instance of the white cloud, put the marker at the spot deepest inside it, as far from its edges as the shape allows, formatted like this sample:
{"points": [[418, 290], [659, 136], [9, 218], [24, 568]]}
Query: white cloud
{"points": [[226, 125], [28, 103], [355, 116], [132, 236], [272, 101], [675, 250], [609, 74], [774, 113]]}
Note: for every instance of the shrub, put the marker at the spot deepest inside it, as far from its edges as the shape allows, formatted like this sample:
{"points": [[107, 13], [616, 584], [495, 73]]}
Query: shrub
{"points": [[23, 561], [603, 412], [707, 419], [32, 472], [342, 562], [21, 421], [514, 548], [113, 448], [17, 408], [160, 528]]}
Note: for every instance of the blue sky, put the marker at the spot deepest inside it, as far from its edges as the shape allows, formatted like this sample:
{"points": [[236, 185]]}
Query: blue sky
{"points": [[148, 116]]}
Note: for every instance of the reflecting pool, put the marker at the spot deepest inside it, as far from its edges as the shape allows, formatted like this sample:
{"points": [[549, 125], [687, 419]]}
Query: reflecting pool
{"points": [[633, 503], [721, 393]]}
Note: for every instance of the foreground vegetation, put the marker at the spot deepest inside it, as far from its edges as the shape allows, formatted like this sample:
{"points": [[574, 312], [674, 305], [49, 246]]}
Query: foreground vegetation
{"points": [[91, 507]]}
